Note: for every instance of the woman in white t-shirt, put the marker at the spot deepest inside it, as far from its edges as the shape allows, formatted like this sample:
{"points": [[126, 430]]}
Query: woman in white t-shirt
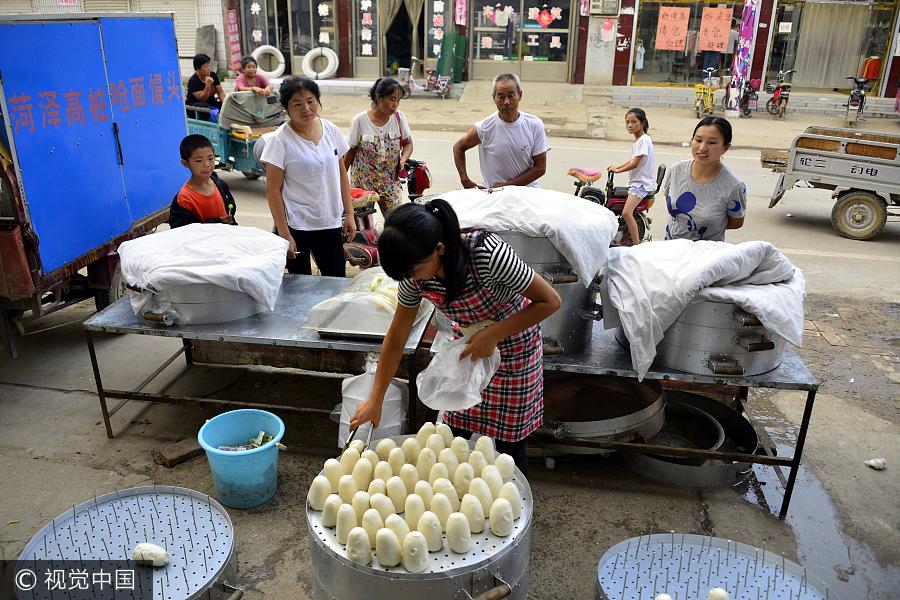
{"points": [[380, 142], [642, 181], [306, 182]]}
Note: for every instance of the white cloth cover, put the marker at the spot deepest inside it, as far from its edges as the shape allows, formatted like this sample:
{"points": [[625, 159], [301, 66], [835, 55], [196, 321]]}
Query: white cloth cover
{"points": [[651, 285], [579, 229], [242, 259]]}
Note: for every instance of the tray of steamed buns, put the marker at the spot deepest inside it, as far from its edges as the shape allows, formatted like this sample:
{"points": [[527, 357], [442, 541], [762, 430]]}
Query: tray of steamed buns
{"points": [[420, 504]]}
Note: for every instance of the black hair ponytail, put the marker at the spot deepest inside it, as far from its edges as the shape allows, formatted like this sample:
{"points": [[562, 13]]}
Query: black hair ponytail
{"points": [[411, 234]]}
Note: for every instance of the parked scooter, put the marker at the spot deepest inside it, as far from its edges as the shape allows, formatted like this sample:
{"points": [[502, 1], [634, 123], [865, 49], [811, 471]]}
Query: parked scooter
{"points": [[856, 103], [439, 84], [749, 97], [362, 250], [781, 93], [614, 199]]}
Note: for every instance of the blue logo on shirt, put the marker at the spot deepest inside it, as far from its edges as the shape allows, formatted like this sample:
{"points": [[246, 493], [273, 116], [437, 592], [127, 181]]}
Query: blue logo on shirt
{"points": [[683, 206]]}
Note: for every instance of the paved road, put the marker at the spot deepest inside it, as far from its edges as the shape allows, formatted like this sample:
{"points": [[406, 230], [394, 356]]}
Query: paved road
{"points": [[832, 265]]}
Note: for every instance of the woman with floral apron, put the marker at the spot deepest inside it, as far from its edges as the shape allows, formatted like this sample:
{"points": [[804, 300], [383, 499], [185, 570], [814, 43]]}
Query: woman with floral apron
{"points": [[474, 278], [380, 142]]}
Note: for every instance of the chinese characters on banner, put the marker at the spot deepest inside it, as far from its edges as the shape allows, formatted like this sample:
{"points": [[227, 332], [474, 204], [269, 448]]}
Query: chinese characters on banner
{"points": [[367, 28], [437, 20], [671, 29], [233, 39], [461, 12], [714, 27], [52, 109]]}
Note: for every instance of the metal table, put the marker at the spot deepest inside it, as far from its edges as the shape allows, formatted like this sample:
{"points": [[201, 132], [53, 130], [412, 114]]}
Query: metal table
{"points": [[604, 356], [284, 328]]}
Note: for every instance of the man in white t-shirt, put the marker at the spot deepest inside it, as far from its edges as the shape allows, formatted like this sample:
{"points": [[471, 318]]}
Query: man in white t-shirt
{"points": [[512, 145]]}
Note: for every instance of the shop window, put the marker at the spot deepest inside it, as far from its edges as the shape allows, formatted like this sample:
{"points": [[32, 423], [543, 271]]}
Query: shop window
{"points": [[675, 43], [826, 43], [314, 25], [535, 30], [365, 28], [258, 24]]}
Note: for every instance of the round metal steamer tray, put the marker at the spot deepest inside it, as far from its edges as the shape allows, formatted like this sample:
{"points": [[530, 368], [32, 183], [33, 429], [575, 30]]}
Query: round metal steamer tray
{"points": [[195, 530], [491, 562], [687, 566]]}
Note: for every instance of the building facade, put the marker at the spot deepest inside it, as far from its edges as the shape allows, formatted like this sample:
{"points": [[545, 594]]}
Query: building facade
{"points": [[646, 42], [823, 42], [189, 16]]}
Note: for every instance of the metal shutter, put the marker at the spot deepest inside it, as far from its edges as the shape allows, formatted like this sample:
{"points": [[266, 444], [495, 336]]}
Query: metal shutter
{"points": [[105, 6], [15, 7], [185, 20]]}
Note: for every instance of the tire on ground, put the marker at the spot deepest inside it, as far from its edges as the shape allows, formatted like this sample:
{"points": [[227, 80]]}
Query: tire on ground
{"points": [[859, 215]]}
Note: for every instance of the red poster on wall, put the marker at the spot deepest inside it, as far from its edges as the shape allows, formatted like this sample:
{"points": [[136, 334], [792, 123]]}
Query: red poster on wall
{"points": [[714, 27], [671, 29], [233, 39]]}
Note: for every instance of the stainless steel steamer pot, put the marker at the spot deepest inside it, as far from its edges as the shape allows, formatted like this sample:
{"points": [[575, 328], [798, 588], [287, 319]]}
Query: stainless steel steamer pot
{"points": [[569, 328], [710, 337], [494, 563]]}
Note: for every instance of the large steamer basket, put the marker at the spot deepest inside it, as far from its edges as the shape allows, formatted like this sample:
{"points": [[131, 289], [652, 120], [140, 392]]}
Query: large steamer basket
{"points": [[716, 338], [494, 563], [568, 329]]}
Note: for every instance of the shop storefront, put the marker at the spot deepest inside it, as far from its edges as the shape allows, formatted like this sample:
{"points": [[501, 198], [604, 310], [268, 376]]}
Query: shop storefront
{"points": [[675, 42], [294, 27], [826, 42], [532, 38]]}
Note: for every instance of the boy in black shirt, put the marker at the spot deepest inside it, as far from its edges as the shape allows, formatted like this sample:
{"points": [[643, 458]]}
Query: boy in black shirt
{"points": [[204, 89]]}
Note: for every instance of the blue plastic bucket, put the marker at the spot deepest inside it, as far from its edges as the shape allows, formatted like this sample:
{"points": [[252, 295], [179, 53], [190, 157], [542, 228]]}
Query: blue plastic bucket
{"points": [[244, 478]]}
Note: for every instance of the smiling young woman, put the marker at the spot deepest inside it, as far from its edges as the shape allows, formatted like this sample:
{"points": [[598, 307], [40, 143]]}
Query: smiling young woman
{"points": [[306, 182], [703, 195]]}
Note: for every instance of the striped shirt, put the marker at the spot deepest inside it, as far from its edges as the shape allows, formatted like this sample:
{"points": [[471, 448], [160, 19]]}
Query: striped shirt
{"points": [[499, 267]]}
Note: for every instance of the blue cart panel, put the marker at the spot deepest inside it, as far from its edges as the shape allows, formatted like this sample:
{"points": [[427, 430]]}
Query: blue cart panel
{"points": [[145, 89], [60, 119]]}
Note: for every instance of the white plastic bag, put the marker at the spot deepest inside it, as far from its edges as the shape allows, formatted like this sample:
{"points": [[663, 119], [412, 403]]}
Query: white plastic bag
{"points": [[355, 390], [365, 307], [449, 383]]}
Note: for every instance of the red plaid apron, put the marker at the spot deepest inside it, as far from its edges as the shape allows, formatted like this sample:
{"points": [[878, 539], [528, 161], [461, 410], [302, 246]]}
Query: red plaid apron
{"points": [[513, 403]]}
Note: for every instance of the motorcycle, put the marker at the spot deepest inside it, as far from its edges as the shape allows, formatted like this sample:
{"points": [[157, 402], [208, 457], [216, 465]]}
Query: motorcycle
{"points": [[362, 250], [781, 93], [856, 103], [439, 84], [614, 199], [749, 97]]}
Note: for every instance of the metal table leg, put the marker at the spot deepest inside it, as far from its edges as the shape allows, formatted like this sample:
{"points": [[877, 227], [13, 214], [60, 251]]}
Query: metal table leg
{"points": [[103, 408], [188, 351], [6, 333], [413, 392], [798, 452]]}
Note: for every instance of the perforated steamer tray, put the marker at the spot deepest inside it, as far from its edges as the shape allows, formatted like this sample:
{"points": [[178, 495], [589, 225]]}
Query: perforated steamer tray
{"points": [[486, 547], [195, 530], [687, 566]]}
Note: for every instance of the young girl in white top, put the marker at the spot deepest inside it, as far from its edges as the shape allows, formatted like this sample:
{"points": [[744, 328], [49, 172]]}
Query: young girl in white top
{"points": [[642, 181]]}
